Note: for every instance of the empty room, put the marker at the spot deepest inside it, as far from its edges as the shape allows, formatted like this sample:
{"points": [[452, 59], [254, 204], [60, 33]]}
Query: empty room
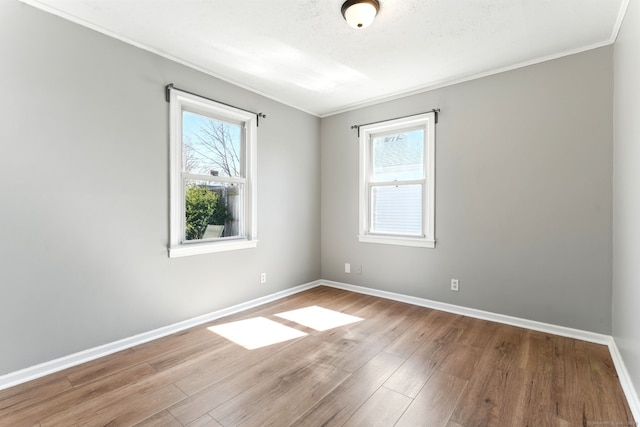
{"points": [[320, 213]]}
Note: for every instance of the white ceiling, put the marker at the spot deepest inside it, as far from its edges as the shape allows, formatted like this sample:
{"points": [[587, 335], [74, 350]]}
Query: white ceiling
{"points": [[302, 52]]}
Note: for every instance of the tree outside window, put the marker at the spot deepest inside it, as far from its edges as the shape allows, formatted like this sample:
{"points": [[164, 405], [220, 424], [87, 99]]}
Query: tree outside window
{"points": [[211, 147]]}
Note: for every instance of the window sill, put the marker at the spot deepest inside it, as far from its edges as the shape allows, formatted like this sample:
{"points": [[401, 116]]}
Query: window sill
{"points": [[398, 240], [210, 247]]}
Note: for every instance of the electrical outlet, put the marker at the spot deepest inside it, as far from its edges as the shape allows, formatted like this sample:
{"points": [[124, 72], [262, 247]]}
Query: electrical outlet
{"points": [[347, 267], [263, 277], [455, 285]]}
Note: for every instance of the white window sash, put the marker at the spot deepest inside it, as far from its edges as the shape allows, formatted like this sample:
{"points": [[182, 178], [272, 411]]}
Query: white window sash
{"points": [[178, 247], [213, 178], [427, 237]]}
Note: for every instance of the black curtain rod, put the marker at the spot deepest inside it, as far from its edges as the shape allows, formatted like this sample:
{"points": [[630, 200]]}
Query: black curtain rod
{"points": [[170, 86], [435, 111]]}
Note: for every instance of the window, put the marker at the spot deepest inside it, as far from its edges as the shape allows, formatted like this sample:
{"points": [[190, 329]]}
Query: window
{"points": [[212, 188], [397, 174]]}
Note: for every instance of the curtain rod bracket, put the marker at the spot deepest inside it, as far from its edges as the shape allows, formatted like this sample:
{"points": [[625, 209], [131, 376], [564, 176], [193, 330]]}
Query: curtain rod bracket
{"points": [[167, 91]]}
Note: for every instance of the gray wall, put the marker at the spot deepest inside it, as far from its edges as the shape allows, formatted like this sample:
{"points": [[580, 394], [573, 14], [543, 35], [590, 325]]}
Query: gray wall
{"points": [[523, 195], [626, 193], [84, 194]]}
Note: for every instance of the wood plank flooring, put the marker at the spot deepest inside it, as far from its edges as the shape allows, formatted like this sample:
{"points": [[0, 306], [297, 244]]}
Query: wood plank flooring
{"points": [[402, 365]]}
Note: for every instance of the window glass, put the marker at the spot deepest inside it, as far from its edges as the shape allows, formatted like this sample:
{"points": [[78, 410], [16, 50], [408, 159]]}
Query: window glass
{"points": [[396, 209], [212, 209], [399, 156], [210, 146]]}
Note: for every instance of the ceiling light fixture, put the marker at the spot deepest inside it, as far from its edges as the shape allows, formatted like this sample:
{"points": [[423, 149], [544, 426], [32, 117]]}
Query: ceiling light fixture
{"points": [[360, 13]]}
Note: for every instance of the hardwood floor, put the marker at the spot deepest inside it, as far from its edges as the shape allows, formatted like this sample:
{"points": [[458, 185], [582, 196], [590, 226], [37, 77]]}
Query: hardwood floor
{"points": [[402, 365]]}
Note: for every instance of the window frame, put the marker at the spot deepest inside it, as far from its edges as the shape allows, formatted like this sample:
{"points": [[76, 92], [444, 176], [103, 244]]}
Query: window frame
{"points": [[178, 247], [425, 121]]}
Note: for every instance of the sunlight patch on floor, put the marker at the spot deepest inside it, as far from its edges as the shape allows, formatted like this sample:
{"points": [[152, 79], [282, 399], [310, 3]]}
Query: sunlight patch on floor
{"points": [[319, 318], [256, 332]]}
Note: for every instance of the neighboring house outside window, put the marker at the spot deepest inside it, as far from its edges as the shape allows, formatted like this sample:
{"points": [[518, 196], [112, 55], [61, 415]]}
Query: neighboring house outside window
{"points": [[212, 176], [397, 182]]}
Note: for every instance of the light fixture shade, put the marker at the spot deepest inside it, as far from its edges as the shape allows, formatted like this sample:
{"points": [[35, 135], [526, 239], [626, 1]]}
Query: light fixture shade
{"points": [[360, 13]]}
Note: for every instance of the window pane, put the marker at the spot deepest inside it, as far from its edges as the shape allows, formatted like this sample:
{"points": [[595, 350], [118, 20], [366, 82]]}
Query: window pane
{"points": [[212, 210], [210, 146], [399, 156], [396, 209]]}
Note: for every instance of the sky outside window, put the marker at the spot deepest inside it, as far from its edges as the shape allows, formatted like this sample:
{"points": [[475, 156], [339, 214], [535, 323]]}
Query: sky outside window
{"points": [[211, 146]]}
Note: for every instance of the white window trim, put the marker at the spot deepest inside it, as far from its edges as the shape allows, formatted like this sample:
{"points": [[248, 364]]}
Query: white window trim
{"points": [[178, 102], [427, 122]]}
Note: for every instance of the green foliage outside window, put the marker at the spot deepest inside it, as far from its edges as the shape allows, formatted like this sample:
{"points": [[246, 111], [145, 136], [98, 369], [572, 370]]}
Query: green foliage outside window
{"points": [[220, 213], [203, 206]]}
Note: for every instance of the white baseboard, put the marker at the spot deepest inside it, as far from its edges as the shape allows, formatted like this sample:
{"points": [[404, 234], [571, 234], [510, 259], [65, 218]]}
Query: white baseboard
{"points": [[479, 314], [625, 380], [31, 373]]}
